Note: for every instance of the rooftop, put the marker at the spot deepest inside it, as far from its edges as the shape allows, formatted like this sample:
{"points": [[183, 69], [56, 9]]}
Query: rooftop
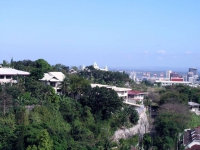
{"points": [[11, 71], [53, 76], [112, 87], [136, 92], [192, 138], [193, 104]]}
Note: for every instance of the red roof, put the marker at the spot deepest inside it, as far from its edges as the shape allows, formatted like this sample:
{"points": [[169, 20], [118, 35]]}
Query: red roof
{"points": [[135, 92], [176, 79], [195, 147]]}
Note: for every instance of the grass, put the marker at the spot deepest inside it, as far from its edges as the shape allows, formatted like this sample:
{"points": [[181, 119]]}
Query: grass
{"points": [[194, 121]]}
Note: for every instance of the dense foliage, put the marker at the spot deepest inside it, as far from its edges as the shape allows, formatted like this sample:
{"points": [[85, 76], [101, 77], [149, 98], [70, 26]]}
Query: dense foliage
{"points": [[34, 117], [104, 77], [173, 115]]}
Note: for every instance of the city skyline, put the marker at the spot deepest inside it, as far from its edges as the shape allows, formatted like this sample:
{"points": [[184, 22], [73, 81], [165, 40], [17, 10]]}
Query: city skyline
{"points": [[131, 34]]}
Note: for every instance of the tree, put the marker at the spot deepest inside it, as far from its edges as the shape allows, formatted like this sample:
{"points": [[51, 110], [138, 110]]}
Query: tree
{"points": [[79, 86], [37, 74], [65, 88], [7, 138], [1, 88], [173, 97], [43, 65], [154, 97], [133, 115], [45, 142], [147, 141], [38, 139], [172, 119], [75, 68], [6, 101], [102, 101], [60, 67]]}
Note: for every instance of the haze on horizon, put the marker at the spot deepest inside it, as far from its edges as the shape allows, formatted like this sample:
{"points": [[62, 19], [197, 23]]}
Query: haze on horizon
{"points": [[130, 34]]}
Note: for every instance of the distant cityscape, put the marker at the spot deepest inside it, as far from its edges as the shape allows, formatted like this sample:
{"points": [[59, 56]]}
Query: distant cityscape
{"points": [[169, 77]]}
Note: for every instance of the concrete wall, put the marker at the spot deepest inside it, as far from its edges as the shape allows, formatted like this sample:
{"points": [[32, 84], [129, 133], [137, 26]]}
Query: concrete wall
{"points": [[141, 128]]}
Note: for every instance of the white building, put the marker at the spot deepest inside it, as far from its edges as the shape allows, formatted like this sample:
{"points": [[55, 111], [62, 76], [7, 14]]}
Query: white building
{"points": [[133, 76], [54, 79], [7, 75], [97, 67], [82, 67], [168, 74], [136, 96], [122, 92], [170, 83]]}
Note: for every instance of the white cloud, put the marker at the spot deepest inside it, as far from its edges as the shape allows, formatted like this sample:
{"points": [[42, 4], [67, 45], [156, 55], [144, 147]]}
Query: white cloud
{"points": [[188, 52], [161, 52], [159, 58], [146, 52]]}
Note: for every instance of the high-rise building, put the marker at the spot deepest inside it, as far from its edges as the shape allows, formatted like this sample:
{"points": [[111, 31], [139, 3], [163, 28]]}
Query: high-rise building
{"points": [[174, 75], [132, 75], [168, 74], [194, 70]]}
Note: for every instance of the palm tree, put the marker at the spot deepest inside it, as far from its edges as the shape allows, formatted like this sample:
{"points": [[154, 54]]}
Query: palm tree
{"points": [[65, 85]]}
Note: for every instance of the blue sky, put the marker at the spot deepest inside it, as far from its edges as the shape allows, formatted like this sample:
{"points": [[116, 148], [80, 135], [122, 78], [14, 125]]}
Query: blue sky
{"points": [[129, 34]]}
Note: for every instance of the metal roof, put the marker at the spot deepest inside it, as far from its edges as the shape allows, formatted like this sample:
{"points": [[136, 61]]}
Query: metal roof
{"points": [[193, 104], [112, 87], [11, 71], [53, 76]]}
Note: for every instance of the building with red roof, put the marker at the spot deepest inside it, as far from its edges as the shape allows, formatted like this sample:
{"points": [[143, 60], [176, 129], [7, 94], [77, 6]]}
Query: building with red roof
{"points": [[136, 96], [191, 139]]}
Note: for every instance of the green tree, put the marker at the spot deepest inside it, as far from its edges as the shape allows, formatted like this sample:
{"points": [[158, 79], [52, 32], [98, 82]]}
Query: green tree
{"points": [[7, 138], [79, 86], [133, 115], [43, 65], [6, 102], [65, 86], [45, 142], [102, 101], [37, 74], [147, 141]]}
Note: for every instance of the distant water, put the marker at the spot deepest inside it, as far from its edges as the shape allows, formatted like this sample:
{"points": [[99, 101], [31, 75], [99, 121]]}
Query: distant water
{"points": [[151, 74]]}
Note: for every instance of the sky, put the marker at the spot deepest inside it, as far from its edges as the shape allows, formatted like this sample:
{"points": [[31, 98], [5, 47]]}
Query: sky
{"points": [[124, 34]]}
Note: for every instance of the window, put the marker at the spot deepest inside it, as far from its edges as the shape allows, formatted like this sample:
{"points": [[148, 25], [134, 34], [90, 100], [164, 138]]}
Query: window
{"points": [[53, 84], [59, 91], [8, 77], [1, 77]]}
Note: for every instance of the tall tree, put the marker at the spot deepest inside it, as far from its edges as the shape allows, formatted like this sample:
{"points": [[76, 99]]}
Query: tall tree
{"points": [[65, 86], [43, 65], [102, 101], [6, 101]]}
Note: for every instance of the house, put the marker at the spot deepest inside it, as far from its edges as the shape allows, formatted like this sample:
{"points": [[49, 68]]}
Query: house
{"points": [[72, 71], [191, 139], [194, 107], [136, 96], [54, 79], [7, 75], [170, 83], [122, 92]]}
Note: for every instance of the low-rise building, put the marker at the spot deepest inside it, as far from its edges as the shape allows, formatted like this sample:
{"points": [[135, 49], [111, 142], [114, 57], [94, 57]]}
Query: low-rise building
{"points": [[122, 92], [170, 83], [191, 139], [54, 79], [136, 96], [7, 75], [194, 107]]}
